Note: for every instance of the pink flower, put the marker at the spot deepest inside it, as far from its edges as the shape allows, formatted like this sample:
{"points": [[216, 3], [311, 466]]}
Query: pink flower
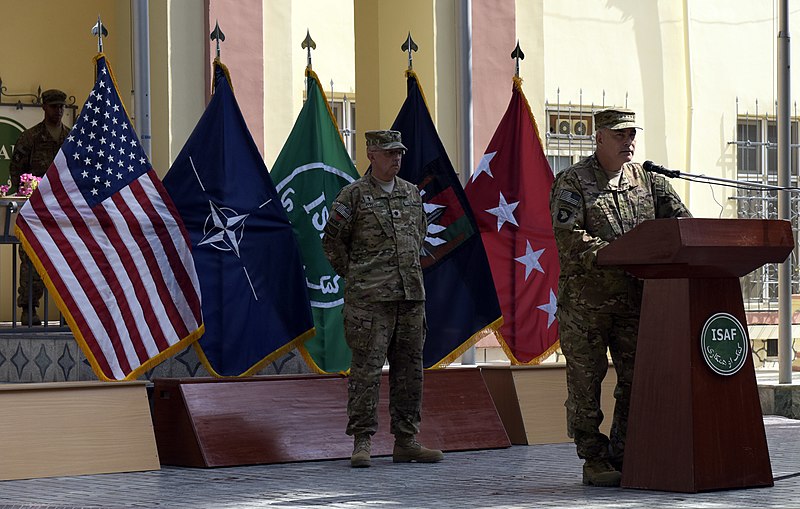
{"points": [[27, 184]]}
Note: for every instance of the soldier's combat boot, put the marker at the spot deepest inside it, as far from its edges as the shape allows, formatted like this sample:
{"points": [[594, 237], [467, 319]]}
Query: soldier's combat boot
{"points": [[361, 450], [600, 473], [407, 449], [616, 452]]}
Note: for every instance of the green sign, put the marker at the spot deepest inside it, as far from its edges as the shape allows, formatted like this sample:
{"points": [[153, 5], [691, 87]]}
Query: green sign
{"points": [[724, 344], [10, 130]]}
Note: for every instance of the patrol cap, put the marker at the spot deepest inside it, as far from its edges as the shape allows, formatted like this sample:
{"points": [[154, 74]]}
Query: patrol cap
{"points": [[54, 96], [615, 118], [384, 140]]}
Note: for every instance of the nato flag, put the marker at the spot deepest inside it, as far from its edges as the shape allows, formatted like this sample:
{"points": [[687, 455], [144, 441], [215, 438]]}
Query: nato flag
{"points": [[255, 303]]}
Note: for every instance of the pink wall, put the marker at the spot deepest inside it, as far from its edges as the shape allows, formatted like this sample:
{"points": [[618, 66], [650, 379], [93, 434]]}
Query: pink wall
{"points": [[242, 52], [493, 40]]}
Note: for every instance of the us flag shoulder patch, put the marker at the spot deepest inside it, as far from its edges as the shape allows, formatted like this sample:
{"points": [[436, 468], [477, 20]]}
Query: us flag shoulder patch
{"points": [[570, 197], [342, 210]]}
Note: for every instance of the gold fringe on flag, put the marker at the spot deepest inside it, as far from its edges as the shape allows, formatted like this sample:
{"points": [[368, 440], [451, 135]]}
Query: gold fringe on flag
{"points": [[492, 328]]}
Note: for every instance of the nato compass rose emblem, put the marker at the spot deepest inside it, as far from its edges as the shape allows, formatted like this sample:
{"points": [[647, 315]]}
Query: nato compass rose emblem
{"points": [[223, 229]]}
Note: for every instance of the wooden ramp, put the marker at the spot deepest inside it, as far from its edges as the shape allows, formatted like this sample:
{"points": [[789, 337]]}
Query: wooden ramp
{"points": [[205, 422], [75, 428]]}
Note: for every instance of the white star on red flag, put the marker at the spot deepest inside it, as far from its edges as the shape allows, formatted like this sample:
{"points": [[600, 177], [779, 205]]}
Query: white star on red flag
{"points": [[504, 212], [531, 260], [518, 235], [550, 308], [483, 166]]}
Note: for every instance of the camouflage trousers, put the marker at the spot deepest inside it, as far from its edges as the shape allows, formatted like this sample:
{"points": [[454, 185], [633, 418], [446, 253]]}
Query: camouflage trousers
{"points": [[585, 339], [30, 283], [376, 331]]}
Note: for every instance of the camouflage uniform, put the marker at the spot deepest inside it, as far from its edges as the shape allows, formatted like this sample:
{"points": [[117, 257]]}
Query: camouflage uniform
{"points": [[373, 240], [34, 151], [598, 307]]}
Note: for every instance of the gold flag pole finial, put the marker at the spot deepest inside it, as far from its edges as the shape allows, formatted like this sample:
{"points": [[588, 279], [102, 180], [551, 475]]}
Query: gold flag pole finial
{"points": [[100, 31], [409, 46], [217, 35], [308, 44], [517, 55]]}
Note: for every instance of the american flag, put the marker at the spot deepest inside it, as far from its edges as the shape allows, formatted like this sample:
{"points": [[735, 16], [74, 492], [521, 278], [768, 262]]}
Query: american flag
{"points": [[110, 245]]}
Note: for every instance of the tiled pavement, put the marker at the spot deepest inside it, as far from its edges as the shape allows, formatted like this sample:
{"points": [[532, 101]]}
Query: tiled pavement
{"points": [[521, 476]]}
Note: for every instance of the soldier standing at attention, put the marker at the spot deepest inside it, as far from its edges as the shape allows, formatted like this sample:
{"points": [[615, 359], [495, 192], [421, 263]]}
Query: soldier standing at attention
{"points": [[592, 203], [373, 239], [34, 151]]}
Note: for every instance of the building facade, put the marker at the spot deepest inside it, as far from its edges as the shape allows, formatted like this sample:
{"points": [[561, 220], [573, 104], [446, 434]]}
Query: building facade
{"points": [[701, 75]]}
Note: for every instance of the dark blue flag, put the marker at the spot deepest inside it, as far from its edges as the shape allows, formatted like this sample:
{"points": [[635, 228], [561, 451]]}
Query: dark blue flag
{"points": [[461, 305], [252, 283]]}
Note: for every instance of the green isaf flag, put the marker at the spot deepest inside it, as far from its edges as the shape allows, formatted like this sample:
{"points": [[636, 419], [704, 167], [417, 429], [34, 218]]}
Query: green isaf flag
{"points": [[309, 172]]}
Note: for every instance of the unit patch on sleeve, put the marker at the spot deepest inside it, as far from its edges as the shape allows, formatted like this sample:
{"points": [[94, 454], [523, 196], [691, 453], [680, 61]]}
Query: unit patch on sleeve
{"points": [[565, 215]]}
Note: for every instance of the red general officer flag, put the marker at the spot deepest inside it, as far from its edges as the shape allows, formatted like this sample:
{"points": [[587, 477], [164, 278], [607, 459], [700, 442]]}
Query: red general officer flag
{"points": [[509, 194], [110, 245]]}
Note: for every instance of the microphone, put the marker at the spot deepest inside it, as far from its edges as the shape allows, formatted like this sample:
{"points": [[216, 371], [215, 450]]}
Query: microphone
{"points": [[691, 177], [653, 167]]}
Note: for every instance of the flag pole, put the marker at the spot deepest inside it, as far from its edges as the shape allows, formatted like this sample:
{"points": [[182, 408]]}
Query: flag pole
{"points": [[218, 36], [517, 55], [409, 46], [100, 31], [308, 44]]}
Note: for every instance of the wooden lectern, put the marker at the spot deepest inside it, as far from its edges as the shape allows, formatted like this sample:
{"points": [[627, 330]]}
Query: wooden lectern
{"points": [[691, 429]]}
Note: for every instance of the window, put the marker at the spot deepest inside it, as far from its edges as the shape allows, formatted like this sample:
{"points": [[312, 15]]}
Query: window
{"points": [[569, 136], [772, 347], [757, 161], [343, 108], [559, 163]]}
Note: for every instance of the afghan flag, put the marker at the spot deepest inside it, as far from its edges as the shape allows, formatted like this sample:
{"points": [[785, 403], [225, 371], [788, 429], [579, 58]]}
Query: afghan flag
{"points": [[461, 304], [310, 170], [510, 195], [251, 278]]}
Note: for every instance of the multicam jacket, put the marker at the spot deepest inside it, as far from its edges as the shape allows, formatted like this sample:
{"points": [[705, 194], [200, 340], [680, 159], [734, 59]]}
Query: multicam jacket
{"points": [[373, 239], [589, 212], [34, 151]]}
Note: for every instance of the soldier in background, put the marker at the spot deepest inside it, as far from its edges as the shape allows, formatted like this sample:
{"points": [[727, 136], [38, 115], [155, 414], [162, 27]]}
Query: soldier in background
{"points": [[373, 239], [592, 203], [34, 151]]}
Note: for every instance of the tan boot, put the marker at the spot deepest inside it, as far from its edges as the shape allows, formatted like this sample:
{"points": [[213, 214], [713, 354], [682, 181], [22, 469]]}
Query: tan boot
{"points": [[600, 473], [407, 449], [361, 450]]}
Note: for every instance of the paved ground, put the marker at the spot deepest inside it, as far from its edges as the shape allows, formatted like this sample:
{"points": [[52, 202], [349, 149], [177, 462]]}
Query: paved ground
{"points": [[521, 476]]}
